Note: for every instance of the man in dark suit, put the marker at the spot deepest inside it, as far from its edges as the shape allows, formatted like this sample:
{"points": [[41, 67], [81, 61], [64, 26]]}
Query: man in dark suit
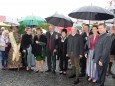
{"points": [[75, 52], [85, 36], [51, 49], [101, 54]]}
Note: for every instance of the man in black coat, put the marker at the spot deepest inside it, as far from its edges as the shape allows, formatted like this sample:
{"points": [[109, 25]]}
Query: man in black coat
{"points": [[75, 52], [101, 54], [51, 49], [85, 36], [112, 53]]}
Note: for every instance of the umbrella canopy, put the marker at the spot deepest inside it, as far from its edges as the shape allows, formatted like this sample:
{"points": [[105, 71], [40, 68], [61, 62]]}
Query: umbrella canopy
{"points": [[32, 20], [79, 26], [110, 21], [68, 29], [3, 24], [60, 28], [92, 13], [11, 21], [59, 20], [2, 18]]}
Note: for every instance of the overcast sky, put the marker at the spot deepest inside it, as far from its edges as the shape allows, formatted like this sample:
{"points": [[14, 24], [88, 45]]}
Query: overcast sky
{"points": [[43, 8]]}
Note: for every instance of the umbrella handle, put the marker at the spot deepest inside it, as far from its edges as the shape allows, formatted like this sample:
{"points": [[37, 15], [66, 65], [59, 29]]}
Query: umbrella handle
{"points": [[90, 18]]}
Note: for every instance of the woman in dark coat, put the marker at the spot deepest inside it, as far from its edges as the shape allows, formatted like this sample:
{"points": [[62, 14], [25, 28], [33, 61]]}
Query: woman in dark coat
{"points": [[63, 51], [39, 48], [28, 59]]}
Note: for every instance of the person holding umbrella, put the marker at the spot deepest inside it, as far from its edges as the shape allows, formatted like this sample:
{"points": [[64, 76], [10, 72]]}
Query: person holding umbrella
{"points": [[26, 47], [101, 54], [75, 52], [85, 36]]}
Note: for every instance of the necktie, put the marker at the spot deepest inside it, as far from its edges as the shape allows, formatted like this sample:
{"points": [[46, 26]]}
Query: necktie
{"points": [[50, 42]]}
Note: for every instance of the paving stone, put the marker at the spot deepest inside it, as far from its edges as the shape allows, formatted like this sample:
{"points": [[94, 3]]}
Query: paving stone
{"points": [[23, 78]]}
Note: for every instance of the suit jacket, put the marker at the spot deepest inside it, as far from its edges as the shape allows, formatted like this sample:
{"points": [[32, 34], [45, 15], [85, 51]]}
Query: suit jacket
{"points": [[62, 47], [102, 48], [84, 35], [75, 42], [53, 40], [37, 49]]}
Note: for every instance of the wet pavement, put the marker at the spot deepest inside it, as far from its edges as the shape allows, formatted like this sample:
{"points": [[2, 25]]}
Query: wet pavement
{"points": [[24, 78]]}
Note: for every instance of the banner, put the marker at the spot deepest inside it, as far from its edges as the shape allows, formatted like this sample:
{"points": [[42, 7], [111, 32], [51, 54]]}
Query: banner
{"points": [[15, 46]]}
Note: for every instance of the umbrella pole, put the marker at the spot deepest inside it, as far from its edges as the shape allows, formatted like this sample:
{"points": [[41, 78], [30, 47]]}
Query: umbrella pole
{"points": [[90, 18], [104, 22], [32, 23]]}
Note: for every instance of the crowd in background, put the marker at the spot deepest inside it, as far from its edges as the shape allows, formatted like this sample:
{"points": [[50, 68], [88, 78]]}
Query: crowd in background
{"points": [[90, 52]]}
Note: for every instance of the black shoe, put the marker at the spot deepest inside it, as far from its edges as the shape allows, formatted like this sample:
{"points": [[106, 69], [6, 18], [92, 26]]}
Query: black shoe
{"points": [[48, 70], [64, 73], [37, 71], [82, 75], [72, 76], [76, 82], [53, 72], [31, 70], [41, 71], [61, 72], [113, 76]]}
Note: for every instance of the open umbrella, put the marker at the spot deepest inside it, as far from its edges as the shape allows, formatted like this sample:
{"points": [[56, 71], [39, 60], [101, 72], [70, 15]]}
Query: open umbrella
{"points": [[32, 20], [79, 26], [11, 21], [3, 24], [59, 20], [112, 21], [68, 29], [92, 13]]}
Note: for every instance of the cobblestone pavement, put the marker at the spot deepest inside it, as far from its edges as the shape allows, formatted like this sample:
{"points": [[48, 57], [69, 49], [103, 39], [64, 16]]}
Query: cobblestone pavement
{"points": [[23, 78]]}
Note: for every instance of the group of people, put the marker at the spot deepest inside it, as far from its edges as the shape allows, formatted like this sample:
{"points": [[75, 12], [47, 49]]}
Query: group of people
{"points": [[91, 53]]}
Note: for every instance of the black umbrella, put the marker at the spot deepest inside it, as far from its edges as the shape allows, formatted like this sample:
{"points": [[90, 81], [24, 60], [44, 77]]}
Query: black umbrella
{"points": [[92, 13], [110, 21], [59, 20]]}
